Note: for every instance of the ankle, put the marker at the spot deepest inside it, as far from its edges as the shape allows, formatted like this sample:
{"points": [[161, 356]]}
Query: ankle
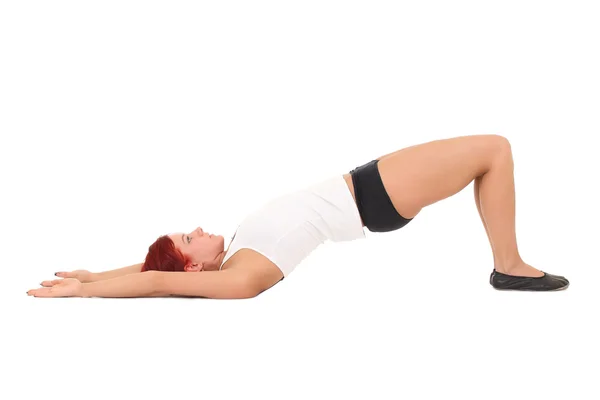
{"points": [[509, 267]]}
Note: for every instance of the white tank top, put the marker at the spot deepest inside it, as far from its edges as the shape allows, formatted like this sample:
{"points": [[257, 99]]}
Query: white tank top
{"points": [[287, 229]]}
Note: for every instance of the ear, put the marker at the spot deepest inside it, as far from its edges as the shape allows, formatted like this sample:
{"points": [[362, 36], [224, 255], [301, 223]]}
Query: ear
{"points": [[193, 267]]}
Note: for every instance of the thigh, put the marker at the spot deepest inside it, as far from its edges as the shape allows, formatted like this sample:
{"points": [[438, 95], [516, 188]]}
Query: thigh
{"points": [[423, 174]]}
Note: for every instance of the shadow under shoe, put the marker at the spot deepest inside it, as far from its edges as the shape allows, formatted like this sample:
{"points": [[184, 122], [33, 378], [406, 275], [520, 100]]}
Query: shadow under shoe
{"points": [[545, 283]]}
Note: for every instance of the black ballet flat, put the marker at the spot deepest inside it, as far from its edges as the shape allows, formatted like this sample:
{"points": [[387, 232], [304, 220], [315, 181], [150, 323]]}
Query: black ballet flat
{"points": [[544, 283]]}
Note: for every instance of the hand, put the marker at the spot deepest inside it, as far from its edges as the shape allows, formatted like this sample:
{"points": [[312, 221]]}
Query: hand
{"points": [[81, 275], [69, 287]]}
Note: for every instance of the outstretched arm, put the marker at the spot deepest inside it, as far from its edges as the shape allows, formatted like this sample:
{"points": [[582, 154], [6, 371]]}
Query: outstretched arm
{"points": [[114, 273], [85, 276], [228, 284]]}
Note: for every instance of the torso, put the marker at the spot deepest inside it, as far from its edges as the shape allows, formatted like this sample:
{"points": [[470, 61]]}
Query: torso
{"points": [[251, 257]]}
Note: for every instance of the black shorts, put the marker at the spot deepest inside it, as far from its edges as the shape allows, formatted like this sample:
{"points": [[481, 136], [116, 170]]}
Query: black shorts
{"points": [[374, 205]]}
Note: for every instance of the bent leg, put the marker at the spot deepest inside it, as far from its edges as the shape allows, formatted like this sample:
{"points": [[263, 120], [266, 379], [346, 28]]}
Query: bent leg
{"points": [[424, 174]]}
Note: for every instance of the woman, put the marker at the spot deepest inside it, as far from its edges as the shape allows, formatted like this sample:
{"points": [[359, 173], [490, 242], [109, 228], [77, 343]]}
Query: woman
{"points": [[382, 195]]}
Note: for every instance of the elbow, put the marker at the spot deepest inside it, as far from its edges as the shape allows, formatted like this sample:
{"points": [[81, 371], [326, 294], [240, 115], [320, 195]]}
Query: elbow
{"points": [[245, 295]]}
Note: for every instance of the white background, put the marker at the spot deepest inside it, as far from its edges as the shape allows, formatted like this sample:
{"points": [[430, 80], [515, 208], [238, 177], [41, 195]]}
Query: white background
{"points": [[124, 120]]}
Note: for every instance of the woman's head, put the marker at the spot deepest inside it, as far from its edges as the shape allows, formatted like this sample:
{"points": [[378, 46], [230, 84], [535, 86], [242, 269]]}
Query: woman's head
{"points": [[190, 252]]}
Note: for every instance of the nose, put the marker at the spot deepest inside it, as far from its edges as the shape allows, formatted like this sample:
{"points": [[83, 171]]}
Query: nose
{"points": [[199, 231]]}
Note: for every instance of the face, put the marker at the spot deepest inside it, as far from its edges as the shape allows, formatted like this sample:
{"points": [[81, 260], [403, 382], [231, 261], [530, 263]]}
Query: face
{"points": [[202, 247]]}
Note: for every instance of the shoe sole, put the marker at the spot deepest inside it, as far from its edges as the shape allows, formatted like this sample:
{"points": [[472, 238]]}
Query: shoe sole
{"points": [[529, 290]]}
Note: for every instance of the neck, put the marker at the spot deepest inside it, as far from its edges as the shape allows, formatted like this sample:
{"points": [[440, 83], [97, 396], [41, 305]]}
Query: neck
{"points": [[214, 266], [220, 259]]}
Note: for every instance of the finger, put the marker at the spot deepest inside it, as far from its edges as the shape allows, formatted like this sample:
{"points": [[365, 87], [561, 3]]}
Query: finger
{"points": [[41, 292], [51, 283], [48, 292], [64, 274]]}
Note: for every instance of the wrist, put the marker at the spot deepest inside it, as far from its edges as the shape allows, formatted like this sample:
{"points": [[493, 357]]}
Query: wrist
{"points": [[92, 277], [84, 290]]}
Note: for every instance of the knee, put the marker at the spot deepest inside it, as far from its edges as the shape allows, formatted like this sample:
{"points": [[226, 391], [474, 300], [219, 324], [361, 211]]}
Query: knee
{"points": [[500, 144], [501, 150]]}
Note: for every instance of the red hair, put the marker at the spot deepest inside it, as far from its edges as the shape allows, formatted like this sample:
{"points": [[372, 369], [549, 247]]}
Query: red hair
{"points": [[164, 256]]}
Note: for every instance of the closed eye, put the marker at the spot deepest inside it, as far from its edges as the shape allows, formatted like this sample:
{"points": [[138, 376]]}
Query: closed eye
{"points": [[188, 239]]}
